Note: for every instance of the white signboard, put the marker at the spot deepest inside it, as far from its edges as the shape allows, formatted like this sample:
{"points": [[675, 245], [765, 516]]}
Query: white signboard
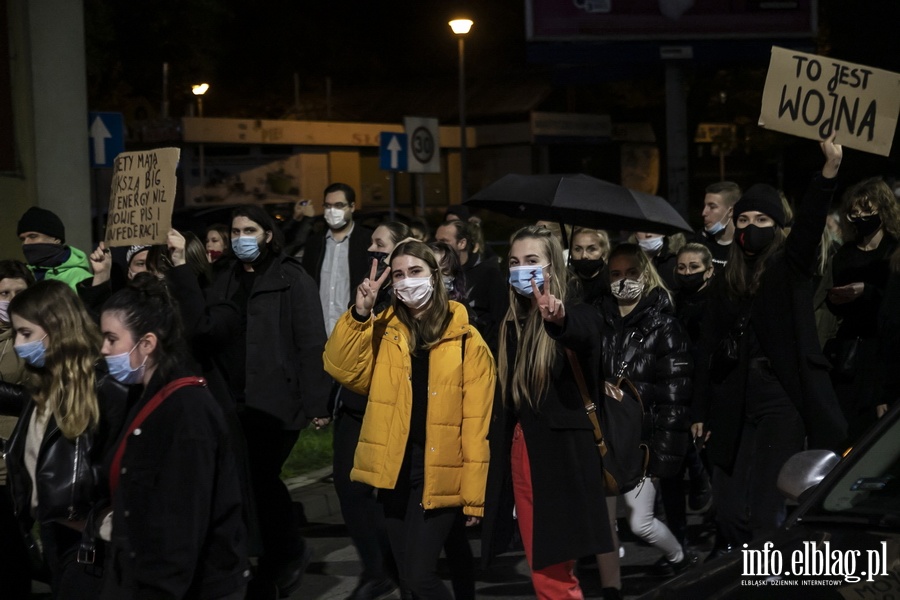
{"points": [[424, 145]]}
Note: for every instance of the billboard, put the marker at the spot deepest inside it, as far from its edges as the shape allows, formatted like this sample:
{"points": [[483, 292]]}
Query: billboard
{"points": [[668, 19]]}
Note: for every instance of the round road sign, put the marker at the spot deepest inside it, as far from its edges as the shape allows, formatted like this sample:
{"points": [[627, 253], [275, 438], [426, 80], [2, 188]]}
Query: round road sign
{"points": [[422, 145]]}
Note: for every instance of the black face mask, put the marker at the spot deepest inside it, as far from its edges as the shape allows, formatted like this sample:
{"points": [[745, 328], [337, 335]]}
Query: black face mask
{"points": [[690, 282], [587, 268], [753, 239], [44, 255], [866, 226], [380, 257]]}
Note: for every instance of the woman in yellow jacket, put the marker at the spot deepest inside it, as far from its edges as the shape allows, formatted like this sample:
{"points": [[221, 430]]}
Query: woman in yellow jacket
{"points": [[429, 378]]}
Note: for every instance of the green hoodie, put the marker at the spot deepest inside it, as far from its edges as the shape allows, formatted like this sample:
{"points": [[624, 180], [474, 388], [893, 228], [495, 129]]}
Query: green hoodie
{"points": [[74, 269]]}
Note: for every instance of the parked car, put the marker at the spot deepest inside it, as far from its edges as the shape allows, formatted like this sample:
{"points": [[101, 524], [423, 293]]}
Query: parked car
{"points": [[842, 541]]}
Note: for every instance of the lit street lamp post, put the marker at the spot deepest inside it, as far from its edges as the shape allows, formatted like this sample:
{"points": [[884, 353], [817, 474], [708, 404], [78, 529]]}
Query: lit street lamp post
{"points": [[461, 27], [199, 90]]}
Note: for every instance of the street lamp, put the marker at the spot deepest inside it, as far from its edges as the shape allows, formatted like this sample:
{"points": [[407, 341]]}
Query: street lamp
{"points": [[461, 28], [200, 89]]}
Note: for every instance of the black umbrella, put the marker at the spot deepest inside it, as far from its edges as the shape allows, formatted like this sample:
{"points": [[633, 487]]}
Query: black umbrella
{"points": [[579, 200]]}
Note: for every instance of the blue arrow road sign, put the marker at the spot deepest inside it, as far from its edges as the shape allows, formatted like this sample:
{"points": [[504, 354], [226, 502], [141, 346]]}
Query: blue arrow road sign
{"points": [[106, 133], [393, 151]]}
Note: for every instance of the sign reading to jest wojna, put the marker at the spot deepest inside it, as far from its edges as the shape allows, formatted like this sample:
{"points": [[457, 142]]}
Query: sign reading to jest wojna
{"points": [[141, 197], [812, 96]]}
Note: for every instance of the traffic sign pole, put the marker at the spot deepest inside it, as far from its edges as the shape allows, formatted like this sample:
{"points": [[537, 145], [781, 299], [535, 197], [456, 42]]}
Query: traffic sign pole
{"points": [[393, 194]]}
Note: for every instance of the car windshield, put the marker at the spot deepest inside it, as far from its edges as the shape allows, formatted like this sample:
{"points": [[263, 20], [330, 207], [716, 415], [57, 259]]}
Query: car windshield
{"points": [[871, 487]]}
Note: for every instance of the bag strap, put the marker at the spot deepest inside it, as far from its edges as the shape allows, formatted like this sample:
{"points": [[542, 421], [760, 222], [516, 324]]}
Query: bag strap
{"points": [[589, 406], [632, 342], [167, 390]]}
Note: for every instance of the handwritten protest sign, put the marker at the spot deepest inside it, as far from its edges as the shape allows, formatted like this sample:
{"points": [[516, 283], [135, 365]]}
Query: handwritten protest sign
{"points": [[141, 197], [812, 96]]}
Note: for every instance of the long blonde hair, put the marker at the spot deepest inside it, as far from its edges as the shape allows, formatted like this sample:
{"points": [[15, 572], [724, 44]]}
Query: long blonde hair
{"points": [[427, 330], [66, 384], [535, 350]]}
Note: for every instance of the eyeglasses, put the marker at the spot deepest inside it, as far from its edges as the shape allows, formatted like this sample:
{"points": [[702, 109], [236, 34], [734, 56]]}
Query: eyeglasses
{"points": [[861, 214], [337, 205]]}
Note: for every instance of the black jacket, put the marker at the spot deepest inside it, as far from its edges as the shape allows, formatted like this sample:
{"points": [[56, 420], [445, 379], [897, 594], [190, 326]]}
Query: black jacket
{"points": [[570, 519], [274, 361], [357, 255], [487, 297], [178, 529], [781, 315], [66, 488], [661, 367]]}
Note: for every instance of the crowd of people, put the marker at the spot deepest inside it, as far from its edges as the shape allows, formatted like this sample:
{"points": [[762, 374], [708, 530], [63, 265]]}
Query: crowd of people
{"points": [[151, 403]]}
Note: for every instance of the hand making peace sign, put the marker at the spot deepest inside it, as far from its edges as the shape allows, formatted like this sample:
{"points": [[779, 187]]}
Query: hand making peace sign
{"points": [[367, 292], [551, 308]]}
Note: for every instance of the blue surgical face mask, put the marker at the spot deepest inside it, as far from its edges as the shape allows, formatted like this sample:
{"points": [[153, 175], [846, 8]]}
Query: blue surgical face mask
{"points": [[520, 278], [246, 248], [715, 228], [120, 368], [651, 244], [32, 352]]}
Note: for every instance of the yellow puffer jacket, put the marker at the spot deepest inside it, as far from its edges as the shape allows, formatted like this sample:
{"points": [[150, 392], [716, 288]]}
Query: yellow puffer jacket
{"points": [[372, 358]]}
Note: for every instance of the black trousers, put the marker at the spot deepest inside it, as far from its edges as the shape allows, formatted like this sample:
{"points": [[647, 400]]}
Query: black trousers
{"points": [[69, 580], [15, 563], [363, 515], [268, 447], [417, 537], [748, 502]]}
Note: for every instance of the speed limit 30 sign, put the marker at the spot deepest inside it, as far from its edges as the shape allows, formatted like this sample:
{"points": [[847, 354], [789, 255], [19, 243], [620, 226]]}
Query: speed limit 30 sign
{"points": [[424, 146]]}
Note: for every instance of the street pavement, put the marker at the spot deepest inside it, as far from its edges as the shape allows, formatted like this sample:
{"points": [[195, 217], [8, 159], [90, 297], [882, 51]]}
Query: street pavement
{"points": [[333, 573]]}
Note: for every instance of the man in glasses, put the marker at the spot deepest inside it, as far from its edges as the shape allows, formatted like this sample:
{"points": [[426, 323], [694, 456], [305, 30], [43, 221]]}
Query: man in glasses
{"points": [[337, 258]]}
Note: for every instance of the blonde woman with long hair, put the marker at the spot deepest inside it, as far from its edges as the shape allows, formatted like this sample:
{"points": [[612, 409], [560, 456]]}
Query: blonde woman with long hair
{"points": [[542, 444], [70, 416]]}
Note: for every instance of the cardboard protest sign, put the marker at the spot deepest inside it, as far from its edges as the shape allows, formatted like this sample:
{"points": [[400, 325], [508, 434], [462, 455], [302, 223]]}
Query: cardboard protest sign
{"points": [[141, 197], [812, 96]]}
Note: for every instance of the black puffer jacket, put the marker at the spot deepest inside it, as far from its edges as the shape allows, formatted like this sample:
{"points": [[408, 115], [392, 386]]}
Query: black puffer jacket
{"points": [[661, 368]]}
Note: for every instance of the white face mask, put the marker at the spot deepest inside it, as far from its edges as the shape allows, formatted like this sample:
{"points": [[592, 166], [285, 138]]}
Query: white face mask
{"points": [[651, 244], [415, 292], [335, 217], [628, 289]]}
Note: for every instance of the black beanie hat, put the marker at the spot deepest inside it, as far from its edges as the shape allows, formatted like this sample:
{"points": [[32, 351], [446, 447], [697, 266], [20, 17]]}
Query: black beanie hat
{"points": [[43, 221], [763, 198]]}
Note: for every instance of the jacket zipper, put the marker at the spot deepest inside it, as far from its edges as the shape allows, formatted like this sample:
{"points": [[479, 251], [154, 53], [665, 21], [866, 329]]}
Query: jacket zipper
{"points": [[74, 479]]}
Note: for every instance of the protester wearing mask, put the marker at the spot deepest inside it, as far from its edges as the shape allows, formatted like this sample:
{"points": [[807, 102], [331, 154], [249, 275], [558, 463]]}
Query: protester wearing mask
{"points": [[694, 270], [637, 328], [15, 567], [718, 225], [543, 458], [43, 237], [433, 464], [587, 260], [70, 414], [662, 251], [273, 367], [870, 228], [337, 258], [362, 514], [166, 542], [762, 387]]}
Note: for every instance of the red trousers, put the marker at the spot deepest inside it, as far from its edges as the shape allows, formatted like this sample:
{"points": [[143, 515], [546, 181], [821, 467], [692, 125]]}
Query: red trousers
{"points": [[556, 582]]}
